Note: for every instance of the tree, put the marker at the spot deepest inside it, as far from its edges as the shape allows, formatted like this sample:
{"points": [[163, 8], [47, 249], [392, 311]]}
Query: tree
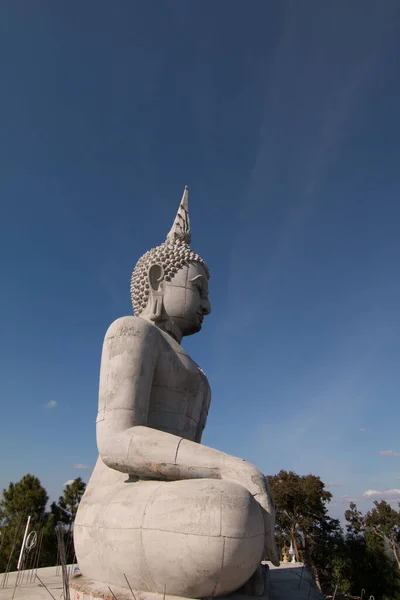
{"points": [[328, 556], [65, 512], [372, 568], [25, 498], [300, 508], [68, 503], [382, 520]]}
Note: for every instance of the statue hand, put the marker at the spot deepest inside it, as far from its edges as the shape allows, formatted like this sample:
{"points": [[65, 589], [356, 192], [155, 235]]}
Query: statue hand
{"points": [[256, 483]]}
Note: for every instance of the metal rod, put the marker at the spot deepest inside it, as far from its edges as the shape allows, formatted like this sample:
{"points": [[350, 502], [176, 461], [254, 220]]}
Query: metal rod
{"points": [[23, 543], [129, 586], [39, 552], [8, 567], [45, 586], [112, 593], [60, 539], [58, 560], [34, 558]]}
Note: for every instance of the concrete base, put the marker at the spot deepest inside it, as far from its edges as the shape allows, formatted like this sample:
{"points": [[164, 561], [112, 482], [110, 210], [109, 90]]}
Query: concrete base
{"points": [[83, 588], [289, 582]]}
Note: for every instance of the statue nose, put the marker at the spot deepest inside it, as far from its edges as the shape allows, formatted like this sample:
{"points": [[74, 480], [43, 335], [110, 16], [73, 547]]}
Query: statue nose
{"points": [[206, 307]]}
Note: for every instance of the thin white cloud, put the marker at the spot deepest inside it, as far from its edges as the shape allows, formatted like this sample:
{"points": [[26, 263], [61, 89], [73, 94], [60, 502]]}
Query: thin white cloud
{"points": [[385, 494], [51, 404], [363, 429], [348, 499], [334, 484], [81, 466], [69, 482], [389, 453]]}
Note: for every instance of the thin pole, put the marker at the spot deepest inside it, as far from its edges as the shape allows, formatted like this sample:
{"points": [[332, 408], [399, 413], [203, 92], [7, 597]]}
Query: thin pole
{"points": [[38, 553], [34, 557], [112, 593], [45, 586], [130, 587], [60, 539], [23, 543], [8, 568], [58, 559]]}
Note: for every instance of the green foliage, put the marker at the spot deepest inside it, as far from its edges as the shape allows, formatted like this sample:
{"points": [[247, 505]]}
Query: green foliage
{"points": [[372, 542], [327, 556], [364, 558], [28, 497], [301, 509], [24, 498], [382, 521], [68, 503], [301, 499]]}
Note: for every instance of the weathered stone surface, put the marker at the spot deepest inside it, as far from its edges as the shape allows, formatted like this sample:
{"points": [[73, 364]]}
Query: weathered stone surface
{"points": [[160, 508], [289, 582]]}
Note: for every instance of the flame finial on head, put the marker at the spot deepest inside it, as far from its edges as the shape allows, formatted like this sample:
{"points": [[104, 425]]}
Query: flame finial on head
{"points": [[172, 255], [180, 230]]}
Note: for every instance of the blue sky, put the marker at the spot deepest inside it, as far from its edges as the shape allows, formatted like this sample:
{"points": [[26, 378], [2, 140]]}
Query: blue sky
{"points": [[283, 119]]}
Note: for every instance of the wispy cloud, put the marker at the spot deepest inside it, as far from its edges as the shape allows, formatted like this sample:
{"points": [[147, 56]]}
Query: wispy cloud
{"points": [[346, 499], [334, 484], [385, 494], [389, 453], [363, 429], [51, 404], [81, 466], [69, 482]]}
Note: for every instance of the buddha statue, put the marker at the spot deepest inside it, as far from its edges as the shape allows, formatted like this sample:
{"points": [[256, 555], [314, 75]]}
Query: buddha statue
{"points": [[163, 513]]}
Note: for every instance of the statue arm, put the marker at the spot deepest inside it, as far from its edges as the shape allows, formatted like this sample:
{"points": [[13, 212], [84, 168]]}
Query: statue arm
{"points": [[125, 443]]}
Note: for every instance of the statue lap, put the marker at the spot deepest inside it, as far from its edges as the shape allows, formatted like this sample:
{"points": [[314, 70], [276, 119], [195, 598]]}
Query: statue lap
{"points": [[196, 537]]}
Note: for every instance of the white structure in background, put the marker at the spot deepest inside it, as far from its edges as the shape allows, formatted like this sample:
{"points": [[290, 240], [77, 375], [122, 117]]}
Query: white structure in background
{"points": [[23, 544], [291, 552]]}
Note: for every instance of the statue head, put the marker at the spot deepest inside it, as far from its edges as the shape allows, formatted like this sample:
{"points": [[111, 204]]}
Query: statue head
{"points": [[170, 282]]}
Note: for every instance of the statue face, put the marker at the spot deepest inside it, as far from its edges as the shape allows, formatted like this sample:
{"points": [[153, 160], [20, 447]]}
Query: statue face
{"points": [[186, 298]]}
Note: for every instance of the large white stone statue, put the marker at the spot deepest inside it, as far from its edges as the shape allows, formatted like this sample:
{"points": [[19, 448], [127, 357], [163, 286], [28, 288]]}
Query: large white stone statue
{"points": [[161, 511]]}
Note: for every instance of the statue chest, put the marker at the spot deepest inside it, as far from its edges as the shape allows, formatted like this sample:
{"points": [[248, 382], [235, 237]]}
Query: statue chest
{"points": [[180, 395]]}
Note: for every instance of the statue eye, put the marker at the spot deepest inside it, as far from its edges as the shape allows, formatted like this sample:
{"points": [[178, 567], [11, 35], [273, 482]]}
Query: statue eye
{"points": [[200, 289]]}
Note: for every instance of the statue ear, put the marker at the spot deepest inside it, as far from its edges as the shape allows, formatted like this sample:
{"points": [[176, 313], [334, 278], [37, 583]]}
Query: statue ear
{"points": [[156, 280], [156, 277]]}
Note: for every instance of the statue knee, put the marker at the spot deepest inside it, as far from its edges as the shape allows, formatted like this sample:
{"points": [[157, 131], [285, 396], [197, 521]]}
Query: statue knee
{"points": [[205, 536]]}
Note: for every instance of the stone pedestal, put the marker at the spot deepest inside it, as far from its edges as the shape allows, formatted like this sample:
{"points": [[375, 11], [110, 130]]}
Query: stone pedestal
{"points": [[84, 588]]}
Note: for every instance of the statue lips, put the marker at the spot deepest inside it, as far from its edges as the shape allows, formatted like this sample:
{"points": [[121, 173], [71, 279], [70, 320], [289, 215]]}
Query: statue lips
{"points": [[201, 317]]}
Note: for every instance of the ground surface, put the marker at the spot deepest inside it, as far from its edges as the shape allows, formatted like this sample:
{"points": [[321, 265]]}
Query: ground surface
{"points": [[51, 577], [292, 582], [288, 582]]}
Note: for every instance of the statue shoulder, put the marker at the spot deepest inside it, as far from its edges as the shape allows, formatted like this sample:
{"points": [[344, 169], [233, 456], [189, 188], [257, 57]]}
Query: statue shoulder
{"points": [[132, 326]]}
